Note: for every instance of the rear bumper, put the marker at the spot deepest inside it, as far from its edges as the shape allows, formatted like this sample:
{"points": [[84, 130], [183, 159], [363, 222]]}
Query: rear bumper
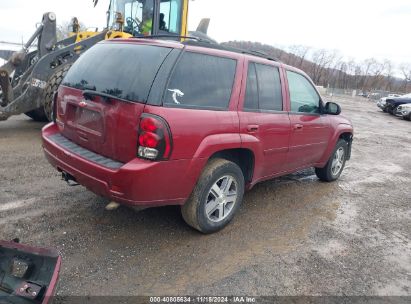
{"points": [[138, 182]]}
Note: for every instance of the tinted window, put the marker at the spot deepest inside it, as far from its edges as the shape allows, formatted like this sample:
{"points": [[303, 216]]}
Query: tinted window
{"points": [[201, 81], [251, 93], [267, 94], [124, 70], [269, 88], [303, 96]]}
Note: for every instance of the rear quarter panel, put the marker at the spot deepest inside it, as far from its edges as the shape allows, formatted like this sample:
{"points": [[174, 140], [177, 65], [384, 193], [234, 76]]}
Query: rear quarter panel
{"points": [[199, 133]]}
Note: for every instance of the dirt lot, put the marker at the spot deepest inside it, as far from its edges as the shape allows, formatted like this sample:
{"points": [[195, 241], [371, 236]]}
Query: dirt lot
{"points": [[293, 236]]}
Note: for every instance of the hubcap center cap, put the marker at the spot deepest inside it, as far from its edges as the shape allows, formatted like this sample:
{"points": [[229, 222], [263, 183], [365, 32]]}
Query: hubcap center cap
{"points": [[221, 199]]}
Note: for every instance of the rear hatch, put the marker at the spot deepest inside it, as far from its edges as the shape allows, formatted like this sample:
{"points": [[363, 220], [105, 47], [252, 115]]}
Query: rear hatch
{"points": [[103, 96], [27, 274]]}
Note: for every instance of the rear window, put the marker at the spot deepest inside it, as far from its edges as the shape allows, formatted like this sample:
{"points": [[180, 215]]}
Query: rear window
{"points": [[201, 81], [125, 71]]}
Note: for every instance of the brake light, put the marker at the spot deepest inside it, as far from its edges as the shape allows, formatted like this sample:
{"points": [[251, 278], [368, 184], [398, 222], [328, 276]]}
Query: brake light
{"points": [[148, 140], [154, 138]]}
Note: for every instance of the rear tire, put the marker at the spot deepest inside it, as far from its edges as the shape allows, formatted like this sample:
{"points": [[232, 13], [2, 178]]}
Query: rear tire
{"points": [[216, 197], [44, 113], [335, 165]]}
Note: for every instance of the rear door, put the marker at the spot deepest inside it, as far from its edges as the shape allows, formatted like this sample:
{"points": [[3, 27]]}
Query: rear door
{"points": [[263, 117], [105, 92], [309, 129]]}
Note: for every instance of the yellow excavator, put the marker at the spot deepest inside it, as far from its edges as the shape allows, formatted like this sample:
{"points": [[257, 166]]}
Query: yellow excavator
{"points": [[29, 79]]}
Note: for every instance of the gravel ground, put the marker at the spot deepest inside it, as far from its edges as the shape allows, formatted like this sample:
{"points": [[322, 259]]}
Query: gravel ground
{"points": [[293, 235]]}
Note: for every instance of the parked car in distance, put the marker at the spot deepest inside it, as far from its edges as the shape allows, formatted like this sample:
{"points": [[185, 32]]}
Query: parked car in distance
{"points": [[152, 123], [381, 103], [374, 96], [404, 111], [392, 103]]}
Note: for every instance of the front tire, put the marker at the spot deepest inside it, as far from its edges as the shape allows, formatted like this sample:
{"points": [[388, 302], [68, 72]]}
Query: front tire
{"points": [[335, 164], [216, 197]]}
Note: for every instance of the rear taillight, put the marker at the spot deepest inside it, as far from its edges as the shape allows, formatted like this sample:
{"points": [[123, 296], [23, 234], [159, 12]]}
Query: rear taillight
{"points": [[154, 138]]}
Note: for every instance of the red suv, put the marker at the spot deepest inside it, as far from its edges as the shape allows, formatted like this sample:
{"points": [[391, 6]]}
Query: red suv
{"points": [[153, 123]]}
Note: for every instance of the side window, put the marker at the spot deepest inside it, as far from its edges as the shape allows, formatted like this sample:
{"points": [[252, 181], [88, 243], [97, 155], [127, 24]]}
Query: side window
{"points": [[303, 96], [263, 89], [251, 91], [269, 88], [201, 81]]}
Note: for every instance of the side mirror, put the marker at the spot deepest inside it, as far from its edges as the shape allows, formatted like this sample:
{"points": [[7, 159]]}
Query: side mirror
{"points": [[332, 108]]}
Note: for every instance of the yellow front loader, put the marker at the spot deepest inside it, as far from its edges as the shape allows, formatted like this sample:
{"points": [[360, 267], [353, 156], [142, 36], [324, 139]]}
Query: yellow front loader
{"points": [[29, 79]]}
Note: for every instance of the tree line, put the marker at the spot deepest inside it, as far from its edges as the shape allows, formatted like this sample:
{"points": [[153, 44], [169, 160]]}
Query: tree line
{"points": [[329, 69]]}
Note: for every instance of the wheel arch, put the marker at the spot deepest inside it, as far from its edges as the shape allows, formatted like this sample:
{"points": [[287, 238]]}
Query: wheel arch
{"points": [[244, 158], [343, 131]]}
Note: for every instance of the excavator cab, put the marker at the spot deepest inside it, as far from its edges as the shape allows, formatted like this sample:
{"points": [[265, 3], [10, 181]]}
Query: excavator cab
{"points": [[140, 18]]}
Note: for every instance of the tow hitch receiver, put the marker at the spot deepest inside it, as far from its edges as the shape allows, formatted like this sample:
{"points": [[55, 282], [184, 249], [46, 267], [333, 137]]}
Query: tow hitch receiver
{"points": [[69, 179]]}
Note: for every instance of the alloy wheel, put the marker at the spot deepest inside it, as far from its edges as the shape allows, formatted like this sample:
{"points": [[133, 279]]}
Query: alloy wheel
{"points": [[221, 198], [338, 161]]}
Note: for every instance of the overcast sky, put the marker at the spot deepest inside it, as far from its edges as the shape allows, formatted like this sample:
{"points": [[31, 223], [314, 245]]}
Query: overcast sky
{"points": [[359, 29]]}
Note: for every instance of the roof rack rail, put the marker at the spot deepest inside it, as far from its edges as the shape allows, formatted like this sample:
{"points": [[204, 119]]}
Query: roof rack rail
{"points": [[217, 46], [196, 41], [173, 36]]}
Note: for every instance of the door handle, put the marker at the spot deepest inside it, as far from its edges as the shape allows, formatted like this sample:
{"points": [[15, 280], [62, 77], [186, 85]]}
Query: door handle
{"points": [[252, 128], [298, 127]]}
